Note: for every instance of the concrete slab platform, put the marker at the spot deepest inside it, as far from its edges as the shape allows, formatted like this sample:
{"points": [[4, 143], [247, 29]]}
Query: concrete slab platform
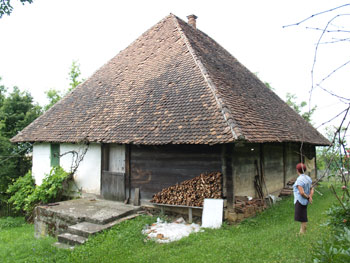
{"points": [[54, 219], [92, 210]]}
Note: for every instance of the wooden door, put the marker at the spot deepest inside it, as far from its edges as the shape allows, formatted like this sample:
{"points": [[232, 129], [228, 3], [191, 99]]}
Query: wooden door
{"points": [[113, 172]]}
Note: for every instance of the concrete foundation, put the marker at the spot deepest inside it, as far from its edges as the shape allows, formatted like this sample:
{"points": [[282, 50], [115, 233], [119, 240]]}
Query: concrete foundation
{"points": [[56, 218]]}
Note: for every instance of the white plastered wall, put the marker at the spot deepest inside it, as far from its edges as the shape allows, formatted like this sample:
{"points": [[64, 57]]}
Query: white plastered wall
{"points": [[41, 161], [88, 175]]}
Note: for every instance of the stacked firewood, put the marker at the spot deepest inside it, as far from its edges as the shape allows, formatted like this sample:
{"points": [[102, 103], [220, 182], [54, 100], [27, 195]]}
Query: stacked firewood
{"points": [[288, 189], [191, 192], [249, 207]]}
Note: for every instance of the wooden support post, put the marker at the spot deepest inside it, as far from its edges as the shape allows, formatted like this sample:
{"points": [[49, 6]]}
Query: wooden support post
{"points": [[104, 161], [127, 173], [262, 166], [190, 215], [223, 170], [137, 197], [227, 171], [262, 172], [315, 164], [284, 164], [302, 153], [105, 157]]}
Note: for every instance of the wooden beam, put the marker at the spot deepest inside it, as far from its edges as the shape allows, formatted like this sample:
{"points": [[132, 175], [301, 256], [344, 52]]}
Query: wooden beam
{"points": [[104, 162], [127, 173], [227, 170], [105, 157], [223, 170], [284, 164], [136, 197], [262, 169], [262, 161], [315, 163]]}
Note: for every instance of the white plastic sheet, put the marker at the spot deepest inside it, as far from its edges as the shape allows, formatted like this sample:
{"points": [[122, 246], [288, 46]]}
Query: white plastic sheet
{"points": [[163, 232]]}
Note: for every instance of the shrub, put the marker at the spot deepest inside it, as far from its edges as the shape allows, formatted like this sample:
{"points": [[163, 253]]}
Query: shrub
{"points": [[339, 216], [336, 248], [22, 188], [50, 190], [25, 195]]}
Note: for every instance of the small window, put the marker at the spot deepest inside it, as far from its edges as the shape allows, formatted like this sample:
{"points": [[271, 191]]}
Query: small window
{"points": [[55, 155]]}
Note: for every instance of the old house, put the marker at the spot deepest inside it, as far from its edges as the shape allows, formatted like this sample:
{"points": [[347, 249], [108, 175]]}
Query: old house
{"points": [[170, 106]]}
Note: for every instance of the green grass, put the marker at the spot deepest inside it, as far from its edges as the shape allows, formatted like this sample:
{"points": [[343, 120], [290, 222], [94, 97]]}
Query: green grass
{"points": [[269, 237], [17, 243]]}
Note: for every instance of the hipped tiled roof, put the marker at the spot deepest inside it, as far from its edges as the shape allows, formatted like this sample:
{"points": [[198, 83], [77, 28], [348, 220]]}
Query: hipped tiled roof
{"points": [[174, 84]]}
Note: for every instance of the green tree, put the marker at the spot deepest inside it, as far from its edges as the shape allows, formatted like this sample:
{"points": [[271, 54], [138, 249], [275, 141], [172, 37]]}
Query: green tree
{"points": [[6, 8], [74, 75], [336, 155], [2, 93], [17, 110], [53, 96], [291, 100]]}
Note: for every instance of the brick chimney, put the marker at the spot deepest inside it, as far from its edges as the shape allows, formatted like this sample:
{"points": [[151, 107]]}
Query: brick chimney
{"points": [[192, 20]]}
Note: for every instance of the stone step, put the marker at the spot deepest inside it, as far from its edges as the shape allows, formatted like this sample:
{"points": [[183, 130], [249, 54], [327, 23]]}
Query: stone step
{"points": [[63, 246], [85, 229], [71, 239], [78, 234], [106, 218]]}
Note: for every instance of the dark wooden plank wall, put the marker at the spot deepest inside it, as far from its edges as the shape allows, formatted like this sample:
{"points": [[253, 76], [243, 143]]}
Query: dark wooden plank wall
{"points": [[153, 168]]}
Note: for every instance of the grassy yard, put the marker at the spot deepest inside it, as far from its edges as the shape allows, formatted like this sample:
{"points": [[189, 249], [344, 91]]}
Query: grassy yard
{"points": [[269, 237]]}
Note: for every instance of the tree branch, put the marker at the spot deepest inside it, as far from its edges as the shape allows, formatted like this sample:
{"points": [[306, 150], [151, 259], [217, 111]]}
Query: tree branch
{"points": [[329, 31], [317, 14]]}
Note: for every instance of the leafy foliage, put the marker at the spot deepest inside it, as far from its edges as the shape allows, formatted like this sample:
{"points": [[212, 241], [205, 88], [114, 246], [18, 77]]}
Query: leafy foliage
{"points": [[336, 247], [17, 110], [334, 156], [50, 190], [268, 85], [74, 75], [53, 96], [25, 195], [6, 8], [299, 107], [339, 214], [20, 190]]}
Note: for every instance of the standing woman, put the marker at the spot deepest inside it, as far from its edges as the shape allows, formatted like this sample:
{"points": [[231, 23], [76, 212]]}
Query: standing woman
{"points": [[303, 193]]}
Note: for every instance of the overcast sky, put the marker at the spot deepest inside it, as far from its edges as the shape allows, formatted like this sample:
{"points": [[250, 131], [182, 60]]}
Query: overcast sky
{"points": [[39, 41]]}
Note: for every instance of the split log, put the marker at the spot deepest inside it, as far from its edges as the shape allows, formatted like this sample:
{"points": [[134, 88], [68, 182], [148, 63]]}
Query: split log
{"points": [[191, 192], [249, 207], [288, 189]]}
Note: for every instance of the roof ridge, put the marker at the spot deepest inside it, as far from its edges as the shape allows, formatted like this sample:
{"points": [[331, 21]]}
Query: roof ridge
{"points": [[225, 111]]}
